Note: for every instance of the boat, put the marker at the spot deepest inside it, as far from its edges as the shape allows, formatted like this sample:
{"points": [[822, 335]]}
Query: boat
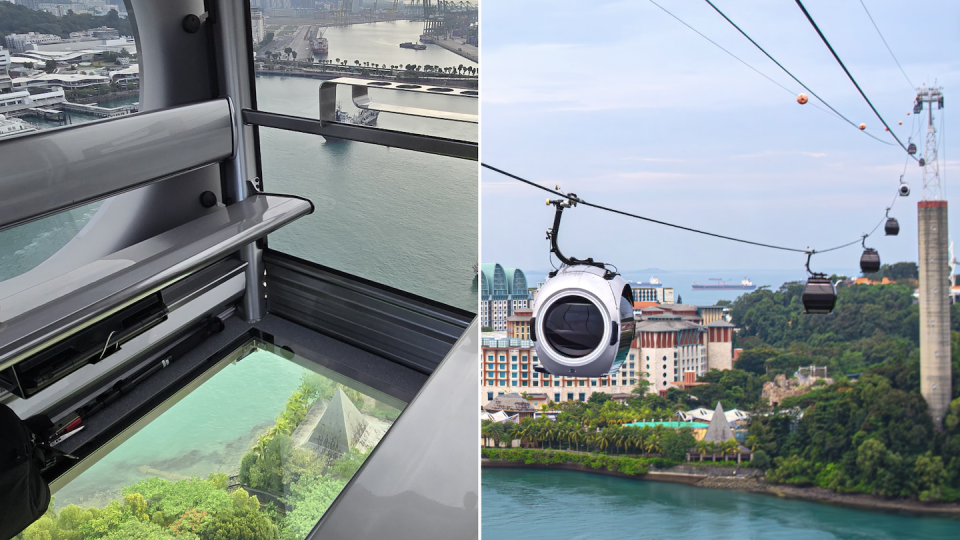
{"points": [[363, 117], [11, 127], [721, 285], [320, 44], [414, 46], [426, 39]]}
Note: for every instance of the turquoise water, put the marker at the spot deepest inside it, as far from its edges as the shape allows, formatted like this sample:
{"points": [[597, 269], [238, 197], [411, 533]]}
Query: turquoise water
{"points": [[208, 431], [564, 505]]}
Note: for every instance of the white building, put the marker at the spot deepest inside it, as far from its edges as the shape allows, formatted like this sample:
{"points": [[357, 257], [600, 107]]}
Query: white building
{"points": [[256, 22], [21, 41], [6, 84], [654, 291], [16, 101]]}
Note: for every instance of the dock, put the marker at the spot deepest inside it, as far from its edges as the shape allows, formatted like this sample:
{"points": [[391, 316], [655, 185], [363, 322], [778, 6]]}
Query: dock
{"points": [[96, 110]]}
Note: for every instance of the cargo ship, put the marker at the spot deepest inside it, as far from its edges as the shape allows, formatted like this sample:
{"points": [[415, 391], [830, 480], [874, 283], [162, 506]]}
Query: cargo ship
{"points": [[414, 46], [721, 285], [320, 44]]}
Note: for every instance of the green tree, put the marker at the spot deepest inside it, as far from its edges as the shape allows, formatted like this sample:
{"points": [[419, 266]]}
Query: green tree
{"points": [[240, 524]]}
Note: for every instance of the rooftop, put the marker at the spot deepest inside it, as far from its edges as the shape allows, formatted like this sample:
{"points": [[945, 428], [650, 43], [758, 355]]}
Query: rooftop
{"points": [[510, 403]]}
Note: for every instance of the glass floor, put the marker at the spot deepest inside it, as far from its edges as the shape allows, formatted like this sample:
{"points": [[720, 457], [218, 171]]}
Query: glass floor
{"points": [[261, 443]]}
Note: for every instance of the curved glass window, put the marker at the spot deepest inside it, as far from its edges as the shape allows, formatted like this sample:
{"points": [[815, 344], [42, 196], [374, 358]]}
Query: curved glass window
{"points": [[573, 326], [79, 75]]}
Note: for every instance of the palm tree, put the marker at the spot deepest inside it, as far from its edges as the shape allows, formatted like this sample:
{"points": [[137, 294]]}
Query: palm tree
{"points": [[731, 446], [653, 443], [701, 448], [603, 439]]}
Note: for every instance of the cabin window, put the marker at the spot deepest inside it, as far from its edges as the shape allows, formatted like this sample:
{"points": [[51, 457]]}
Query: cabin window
{"points": [[271, 425], [397, 217]]}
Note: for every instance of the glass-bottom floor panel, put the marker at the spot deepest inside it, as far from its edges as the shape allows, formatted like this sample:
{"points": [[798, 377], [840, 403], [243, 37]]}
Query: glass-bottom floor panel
{"points": [[258, 446]]}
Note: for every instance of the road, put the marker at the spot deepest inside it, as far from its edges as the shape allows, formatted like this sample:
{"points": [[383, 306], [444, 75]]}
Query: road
{"points": [[299, 41]]}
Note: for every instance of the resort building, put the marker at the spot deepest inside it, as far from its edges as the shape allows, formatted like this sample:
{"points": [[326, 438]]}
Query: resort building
{"points": [[654, 291], [674, 348], [518, 324], [502, 292], [512, 405], [508, 366]]}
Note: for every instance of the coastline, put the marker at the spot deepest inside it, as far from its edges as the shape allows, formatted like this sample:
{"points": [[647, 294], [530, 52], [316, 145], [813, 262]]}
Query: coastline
{"points": [[759, 486]]}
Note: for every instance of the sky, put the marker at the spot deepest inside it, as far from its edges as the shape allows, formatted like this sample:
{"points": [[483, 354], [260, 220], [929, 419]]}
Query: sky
{"points": [[623, 105]]}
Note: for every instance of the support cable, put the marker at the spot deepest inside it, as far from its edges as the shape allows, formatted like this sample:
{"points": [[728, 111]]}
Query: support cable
{"points": [[794, 77], [845, 70], [578, 200], [912, 86], [742, 61]]}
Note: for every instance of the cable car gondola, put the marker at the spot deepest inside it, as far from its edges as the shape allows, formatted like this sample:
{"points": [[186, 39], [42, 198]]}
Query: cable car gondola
{"points": [[923, 162], [583, 321], [870, 260], [911, 149], [819, 294], [892, 227]]}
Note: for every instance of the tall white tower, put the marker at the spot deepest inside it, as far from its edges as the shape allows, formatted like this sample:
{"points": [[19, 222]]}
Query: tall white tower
{"points": [[935, 281]]}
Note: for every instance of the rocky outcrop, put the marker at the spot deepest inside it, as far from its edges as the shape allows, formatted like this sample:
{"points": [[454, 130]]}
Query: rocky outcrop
{"points": [[780, 388]]}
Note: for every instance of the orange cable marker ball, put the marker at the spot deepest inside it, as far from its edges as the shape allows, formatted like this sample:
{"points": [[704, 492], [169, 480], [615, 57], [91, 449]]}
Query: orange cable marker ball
{"points": [[802, 99], [863, 127], [901, 122]]}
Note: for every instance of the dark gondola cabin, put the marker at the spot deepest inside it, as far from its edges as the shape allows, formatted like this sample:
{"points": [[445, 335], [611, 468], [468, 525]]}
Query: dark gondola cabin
{"points": [[911, 149], [869, 261], [892, 227], [819, 295]]}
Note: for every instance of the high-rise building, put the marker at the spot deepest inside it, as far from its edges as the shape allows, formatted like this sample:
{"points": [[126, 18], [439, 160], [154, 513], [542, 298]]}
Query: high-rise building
{"points": [[6, 83], [256, 23], [502, 292]]}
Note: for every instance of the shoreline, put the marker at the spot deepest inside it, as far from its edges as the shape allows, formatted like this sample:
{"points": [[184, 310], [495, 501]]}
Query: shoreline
{"points": [[760, 487], [330, 75]]}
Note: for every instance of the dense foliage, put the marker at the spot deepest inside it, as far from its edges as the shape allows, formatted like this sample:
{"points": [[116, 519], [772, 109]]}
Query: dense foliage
{"points": [[157, 509], [597, 426], [870, 431], [304, 484], [17, 19], [625, 465]]}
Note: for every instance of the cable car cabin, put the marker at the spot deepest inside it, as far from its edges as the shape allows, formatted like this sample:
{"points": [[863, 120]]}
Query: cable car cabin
{"points": [[214, 277], [870, 261], [891, 227], [911, 149], [819, 295]]}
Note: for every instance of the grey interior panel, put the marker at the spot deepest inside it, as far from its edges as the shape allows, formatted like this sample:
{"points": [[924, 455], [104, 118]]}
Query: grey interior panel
{"points": [[422, 481], [34, 317], [40, 171]]}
